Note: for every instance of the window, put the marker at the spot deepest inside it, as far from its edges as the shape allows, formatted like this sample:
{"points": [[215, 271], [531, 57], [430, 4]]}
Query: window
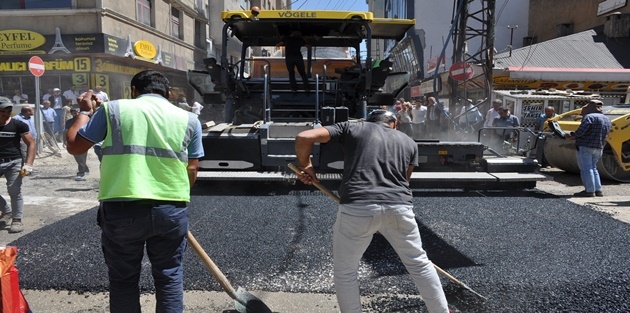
{"points": [[35, 4], [200, 34], [143, 11], [175, 24]]}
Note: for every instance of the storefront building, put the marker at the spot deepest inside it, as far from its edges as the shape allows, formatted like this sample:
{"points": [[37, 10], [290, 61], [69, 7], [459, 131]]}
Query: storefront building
{"points": [[100, 42]]}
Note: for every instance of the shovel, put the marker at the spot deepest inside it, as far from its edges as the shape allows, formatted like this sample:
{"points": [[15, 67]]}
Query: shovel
{"points": [[336, 198], [244, 302]]}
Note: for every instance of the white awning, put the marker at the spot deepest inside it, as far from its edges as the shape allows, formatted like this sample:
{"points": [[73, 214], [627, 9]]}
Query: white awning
{"points": [[569, 74]]}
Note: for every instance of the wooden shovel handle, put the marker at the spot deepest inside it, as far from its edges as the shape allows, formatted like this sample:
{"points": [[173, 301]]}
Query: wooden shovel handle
{"points": [[316, 184], [437, 268], [214, 270]]}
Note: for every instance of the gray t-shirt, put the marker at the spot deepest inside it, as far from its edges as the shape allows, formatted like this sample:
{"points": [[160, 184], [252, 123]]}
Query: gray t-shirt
{"points": [[376, 159]]}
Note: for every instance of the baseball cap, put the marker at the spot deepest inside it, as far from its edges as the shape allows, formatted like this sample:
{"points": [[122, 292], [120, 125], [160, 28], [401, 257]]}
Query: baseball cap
{"points": [[5, 102]]}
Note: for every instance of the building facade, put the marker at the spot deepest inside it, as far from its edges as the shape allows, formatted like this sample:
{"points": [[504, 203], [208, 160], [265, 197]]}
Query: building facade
{"points": [[553, 19], [88, 43]]}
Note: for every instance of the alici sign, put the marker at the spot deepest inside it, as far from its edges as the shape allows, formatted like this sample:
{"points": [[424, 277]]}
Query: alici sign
{"points": [[20, 40]]}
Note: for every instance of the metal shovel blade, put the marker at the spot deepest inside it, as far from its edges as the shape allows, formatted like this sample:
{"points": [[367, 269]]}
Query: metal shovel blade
{"points": [[246, 302]]}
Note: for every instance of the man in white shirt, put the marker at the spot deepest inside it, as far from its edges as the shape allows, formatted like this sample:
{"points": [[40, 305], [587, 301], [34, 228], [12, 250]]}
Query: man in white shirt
{"points": [[100, 94], [493, 113], [419, 116], [57, 101], [197, 107], [46, 96], [19, 96], [71, 94]]}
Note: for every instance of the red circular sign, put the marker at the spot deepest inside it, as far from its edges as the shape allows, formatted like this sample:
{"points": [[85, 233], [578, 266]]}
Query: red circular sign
{"points": [[461, 71], [36, 66]]}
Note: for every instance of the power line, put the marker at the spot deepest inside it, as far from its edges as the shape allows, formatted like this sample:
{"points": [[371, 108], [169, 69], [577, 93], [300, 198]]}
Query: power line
{"points": [[350, 8], [327, 4], [305, 1]]}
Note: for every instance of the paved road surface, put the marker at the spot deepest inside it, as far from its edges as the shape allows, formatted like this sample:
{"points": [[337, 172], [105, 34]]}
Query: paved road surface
{"points": [[534, 250]]}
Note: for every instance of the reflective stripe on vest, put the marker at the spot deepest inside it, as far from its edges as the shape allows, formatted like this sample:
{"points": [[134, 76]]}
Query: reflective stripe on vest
{"points": [[140, 159], [118, 146]]}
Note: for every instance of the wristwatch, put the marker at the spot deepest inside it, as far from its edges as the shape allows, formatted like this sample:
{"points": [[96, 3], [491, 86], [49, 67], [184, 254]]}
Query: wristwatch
{"points": [[88, 113]]}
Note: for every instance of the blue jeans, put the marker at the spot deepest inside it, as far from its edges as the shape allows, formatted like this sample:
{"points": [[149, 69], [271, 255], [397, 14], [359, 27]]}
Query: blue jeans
{"points": [[59, 122], [11, 171], [352, 234], [127, 227], [97, 151], [587, 161]]}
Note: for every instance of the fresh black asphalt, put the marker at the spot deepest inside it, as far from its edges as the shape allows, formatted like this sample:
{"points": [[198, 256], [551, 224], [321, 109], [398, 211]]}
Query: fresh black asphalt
{"points": [[526, 251]]}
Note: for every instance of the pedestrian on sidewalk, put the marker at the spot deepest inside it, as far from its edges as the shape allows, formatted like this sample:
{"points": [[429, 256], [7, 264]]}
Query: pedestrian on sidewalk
{"points": [[150, 159], [374, 197], [83, 169], [590, 139], [12, 166]]}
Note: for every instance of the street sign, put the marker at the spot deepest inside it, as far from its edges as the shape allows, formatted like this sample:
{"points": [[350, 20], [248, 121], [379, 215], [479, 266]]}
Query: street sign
{"points": [[36, 66], [461, 71]]}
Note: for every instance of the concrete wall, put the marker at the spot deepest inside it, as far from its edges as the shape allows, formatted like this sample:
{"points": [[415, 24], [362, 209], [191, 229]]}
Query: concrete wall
{"points": [[82, 23], [545, 16], [88, 4]]}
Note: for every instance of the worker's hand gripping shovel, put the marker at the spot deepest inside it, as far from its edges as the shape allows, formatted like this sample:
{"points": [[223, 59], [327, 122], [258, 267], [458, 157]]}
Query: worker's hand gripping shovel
{"points": [[336, 198]]}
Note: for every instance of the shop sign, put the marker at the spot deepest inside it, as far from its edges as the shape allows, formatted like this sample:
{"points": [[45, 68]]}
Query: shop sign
{"points": [[20, 40], [78, 64], [610, 5], [145, 49], [103, 65], [415, 92], [506, 82], [167, 60], [433, 64], [115, 45], [427, 86]]}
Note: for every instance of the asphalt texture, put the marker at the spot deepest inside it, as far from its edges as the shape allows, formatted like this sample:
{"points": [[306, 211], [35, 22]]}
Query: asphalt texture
{"points": [[526, 251]]}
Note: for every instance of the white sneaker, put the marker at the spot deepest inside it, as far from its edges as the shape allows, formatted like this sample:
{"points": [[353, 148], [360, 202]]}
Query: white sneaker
{"points": [[79, 178]]}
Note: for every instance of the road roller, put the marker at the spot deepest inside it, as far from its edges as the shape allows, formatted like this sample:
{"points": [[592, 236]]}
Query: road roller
{"points": [[615, 162]]}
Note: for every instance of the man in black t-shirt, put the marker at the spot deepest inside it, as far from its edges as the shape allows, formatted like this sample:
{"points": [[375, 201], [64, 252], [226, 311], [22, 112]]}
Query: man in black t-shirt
{"points": [[374, 197], [11, 167], [294, 59]]}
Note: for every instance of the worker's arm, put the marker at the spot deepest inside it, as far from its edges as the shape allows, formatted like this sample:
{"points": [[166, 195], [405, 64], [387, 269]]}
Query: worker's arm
{"points": [[409, 171], [303, 148], [76, 144], [195, 151], [192, 168], [29, 141]]}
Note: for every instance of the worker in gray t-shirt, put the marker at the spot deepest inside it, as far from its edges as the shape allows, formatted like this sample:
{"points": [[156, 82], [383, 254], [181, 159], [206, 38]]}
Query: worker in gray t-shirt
{"points": [[374, 197]]}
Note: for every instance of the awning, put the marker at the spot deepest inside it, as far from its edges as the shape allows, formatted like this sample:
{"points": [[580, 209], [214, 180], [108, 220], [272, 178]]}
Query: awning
{"points": [[569, 74]]}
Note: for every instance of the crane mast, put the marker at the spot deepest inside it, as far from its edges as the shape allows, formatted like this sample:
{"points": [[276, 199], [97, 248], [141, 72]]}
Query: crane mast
{"points": [[475, 25]]}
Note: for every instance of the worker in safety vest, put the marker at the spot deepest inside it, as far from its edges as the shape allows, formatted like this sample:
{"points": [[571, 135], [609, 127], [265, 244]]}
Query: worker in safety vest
{"points": [[151, 152]]}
